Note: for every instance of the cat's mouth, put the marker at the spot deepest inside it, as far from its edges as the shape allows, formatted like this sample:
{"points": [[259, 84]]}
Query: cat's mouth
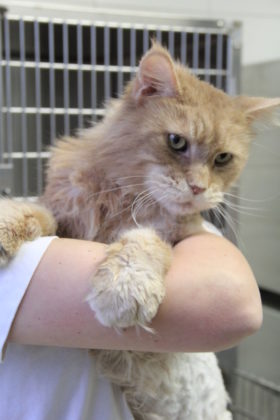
{"points": [[190, 204], [179, 197]]}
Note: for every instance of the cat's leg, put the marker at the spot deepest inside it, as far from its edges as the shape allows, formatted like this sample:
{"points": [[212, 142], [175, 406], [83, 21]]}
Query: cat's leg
{"points": [[20, 222], [129, 286]]}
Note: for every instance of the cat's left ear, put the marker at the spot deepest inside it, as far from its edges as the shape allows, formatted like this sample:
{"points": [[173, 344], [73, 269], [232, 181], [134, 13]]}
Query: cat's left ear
{"points": [[156, 75], [259, 109]]}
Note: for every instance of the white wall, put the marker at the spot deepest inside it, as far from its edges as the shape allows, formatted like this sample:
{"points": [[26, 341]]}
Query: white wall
{"points": [[260, 18]]}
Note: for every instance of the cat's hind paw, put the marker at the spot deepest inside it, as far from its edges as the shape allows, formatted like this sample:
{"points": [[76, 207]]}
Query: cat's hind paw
{"points": [[128, 287]]}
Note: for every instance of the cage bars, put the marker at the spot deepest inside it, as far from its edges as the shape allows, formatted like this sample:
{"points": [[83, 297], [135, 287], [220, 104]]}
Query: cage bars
{"points": [[69, 69], [66, 85], [120, 59], [38, 107], [52, 80], [8, 90], [252, 398], [2, 146], [80, 76], [23, 106], [93, 70]]}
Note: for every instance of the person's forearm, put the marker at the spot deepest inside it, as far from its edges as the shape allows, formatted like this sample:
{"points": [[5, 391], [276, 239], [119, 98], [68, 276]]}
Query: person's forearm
{"points": [[212, 300]]}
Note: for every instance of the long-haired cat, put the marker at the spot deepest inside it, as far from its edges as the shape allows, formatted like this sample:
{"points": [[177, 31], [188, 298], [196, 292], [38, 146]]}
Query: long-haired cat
{"points": [[138, 181]]}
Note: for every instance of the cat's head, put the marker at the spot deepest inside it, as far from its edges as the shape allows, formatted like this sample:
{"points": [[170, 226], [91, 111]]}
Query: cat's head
{"points": [[188, 139]]}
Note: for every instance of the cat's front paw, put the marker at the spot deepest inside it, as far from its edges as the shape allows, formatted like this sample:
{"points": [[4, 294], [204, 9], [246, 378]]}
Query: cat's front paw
{"points": [[20, 222], [15, 230], [128, 287]]}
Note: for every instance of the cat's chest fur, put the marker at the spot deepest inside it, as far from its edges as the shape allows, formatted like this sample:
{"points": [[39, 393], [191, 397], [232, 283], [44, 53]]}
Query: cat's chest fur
{"points": [[103, 220]]}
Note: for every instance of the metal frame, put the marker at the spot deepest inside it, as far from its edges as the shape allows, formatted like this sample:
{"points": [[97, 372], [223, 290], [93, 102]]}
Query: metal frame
{"points": [[252, 398], [22, 110]]}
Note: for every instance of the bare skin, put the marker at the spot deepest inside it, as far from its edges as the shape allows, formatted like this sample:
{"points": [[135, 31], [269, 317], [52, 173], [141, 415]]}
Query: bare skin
{"points": [[212, 300]]}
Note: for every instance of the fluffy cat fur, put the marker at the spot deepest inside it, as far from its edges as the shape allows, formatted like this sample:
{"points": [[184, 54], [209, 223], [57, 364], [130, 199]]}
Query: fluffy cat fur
{"points": [[126, 171]]}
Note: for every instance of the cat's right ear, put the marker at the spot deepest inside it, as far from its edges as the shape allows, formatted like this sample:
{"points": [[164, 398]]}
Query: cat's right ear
{"points": [[156, 76], [258, 109]]}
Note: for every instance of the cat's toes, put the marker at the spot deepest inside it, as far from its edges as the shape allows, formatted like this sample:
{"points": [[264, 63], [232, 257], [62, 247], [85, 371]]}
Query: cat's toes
{"points": [[123, 298], [128, 287]]}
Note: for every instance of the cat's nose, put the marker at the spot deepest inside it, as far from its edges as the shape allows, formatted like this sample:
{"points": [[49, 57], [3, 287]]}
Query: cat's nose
{"points": [[196, 189]]}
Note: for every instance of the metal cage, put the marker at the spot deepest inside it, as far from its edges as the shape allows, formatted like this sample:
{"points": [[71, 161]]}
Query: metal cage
{"points": [[252, 398], [55, 76]]}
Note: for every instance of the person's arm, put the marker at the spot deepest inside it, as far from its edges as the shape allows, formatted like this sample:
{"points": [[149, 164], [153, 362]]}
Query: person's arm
{"points": [[212, 300]]}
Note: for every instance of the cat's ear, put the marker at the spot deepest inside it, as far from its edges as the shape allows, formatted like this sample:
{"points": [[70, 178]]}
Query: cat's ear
{"points": [[156, 75], [259, 109]]}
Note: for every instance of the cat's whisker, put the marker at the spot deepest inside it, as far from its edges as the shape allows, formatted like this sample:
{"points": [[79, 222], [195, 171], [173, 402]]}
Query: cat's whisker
{"points": [[123, 210], [223, 211], [252, 212], [140, 197], [146, 199], [135, 221], [241, 206], [244, 213], [111, 190], [119, 212], [229, 220], [133, 176], [158, 200], [117, 188], [135, 203], [150, 200], [140, 201], [238, 197], [249, 211], [233, 214], [220, 218]]}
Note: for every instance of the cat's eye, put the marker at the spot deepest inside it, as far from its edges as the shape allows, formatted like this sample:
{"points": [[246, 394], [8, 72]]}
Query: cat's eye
{"points": [[222, 159], [177, 142]]}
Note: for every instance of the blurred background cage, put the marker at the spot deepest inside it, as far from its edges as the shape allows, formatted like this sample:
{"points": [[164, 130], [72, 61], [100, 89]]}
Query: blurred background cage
{"points": [[57, 73], [252, 398]]}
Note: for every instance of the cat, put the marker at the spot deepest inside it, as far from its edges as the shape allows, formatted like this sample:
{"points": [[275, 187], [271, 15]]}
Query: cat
{"points": [[166, 150]]}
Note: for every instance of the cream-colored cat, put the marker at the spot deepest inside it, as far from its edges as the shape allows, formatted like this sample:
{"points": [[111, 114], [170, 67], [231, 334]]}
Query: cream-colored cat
{"points": [[167, 150]]}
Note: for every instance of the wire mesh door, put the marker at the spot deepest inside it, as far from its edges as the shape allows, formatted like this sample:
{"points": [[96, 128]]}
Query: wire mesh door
{"points": [[56, 75]]}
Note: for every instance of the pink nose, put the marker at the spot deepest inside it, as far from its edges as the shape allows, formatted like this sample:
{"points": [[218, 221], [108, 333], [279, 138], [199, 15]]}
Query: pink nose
{"points": [[197, 190]]}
